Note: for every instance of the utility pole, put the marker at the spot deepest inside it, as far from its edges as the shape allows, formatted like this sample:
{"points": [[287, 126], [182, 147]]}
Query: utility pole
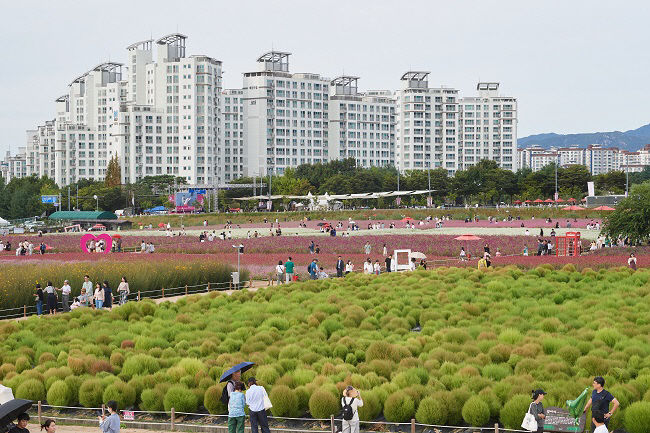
{"points": [[627, 180], [556, 163], [68, 198]]}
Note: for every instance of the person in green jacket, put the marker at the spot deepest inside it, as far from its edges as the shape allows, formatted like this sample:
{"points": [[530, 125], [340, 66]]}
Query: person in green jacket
{"points": [[288, 269]]}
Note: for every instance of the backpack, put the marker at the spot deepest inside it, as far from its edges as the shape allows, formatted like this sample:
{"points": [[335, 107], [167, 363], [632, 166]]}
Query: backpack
{"points": [[225, 398], [347, 411]]}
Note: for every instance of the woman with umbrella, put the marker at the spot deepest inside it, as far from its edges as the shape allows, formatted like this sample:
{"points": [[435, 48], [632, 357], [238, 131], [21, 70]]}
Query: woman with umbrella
{"points": [[233, 375]]}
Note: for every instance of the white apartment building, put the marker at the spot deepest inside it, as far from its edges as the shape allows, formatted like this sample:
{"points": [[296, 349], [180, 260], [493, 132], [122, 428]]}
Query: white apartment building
{"points": [[596, 158], [427, 125], [285, 117], [233, 134], [361, 125], [14, 166], [160, 117], [488, 125]]}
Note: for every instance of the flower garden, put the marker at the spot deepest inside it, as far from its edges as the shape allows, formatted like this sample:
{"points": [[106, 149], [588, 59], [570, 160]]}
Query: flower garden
{"points": [[452, 346]]}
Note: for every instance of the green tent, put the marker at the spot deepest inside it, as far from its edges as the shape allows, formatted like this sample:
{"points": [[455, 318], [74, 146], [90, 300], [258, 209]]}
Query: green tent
{"points": [[82, 215]]}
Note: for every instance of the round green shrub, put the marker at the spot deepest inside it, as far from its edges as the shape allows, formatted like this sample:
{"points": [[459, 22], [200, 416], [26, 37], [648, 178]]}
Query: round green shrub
{"points": [[372, 406], [267, 374], [31, 389], [284, 400], [181, 399], [59, 394], [432, 411], [74, 383], [139, 364], [512, 413], [323, 403], [90, 393], [476, 412], [122, 393], [637, 417], [399, 407], [150, 401], [22, 363], [212, 400]]}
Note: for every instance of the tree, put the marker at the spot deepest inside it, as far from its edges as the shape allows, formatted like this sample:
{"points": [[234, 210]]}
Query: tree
{"points": [[113, 173], [631, 219]]}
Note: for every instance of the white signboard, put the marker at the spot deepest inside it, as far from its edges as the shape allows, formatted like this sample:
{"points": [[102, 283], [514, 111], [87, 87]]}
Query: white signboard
{"points": [[402, 260], [590, 189]]}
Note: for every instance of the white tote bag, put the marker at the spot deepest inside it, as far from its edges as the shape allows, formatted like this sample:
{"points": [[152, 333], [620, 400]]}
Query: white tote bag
{"points": [[267, 403], [529, 423]]}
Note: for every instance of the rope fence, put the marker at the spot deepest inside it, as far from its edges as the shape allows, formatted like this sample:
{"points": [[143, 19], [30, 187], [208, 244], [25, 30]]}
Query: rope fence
{"points": [[173, 420]]}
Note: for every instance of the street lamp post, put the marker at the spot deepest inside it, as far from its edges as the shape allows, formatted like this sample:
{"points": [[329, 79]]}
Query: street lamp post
{"points": [[240, 251], [96, 202]]}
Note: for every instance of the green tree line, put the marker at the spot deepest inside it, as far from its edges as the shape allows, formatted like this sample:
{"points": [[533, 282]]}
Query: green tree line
{"points": [[484, 183]]}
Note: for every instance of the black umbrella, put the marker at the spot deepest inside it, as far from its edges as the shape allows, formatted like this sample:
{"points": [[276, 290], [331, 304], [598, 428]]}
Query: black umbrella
{"points": [[10, 411], [242, 366]]}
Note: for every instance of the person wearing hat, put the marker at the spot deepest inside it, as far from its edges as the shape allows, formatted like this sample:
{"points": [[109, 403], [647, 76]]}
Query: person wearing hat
{"points": [[537, 409], [255, 400], [351, 398], [65, 295]]}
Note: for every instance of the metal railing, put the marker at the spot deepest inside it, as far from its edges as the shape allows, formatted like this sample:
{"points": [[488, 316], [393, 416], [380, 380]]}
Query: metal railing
{"points": [[30, 310], [173, 420]]}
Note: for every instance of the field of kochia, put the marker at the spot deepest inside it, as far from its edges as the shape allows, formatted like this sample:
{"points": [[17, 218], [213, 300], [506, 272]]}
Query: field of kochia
{"points": [[450, 346]]}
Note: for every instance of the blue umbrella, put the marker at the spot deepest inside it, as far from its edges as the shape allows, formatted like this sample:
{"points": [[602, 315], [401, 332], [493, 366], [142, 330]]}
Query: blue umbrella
{"points": [[242, 366]]}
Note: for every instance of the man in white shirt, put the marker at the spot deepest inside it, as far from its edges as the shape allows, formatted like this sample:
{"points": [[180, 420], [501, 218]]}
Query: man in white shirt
{"points": [[255, 401], [65, 295], [599, 421]]}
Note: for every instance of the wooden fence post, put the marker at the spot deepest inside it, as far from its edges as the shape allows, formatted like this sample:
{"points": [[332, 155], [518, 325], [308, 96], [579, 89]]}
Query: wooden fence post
{"points": [[24, 310], [250, 282], [40, 413], [496, 428], [208, 286], [185, 289], [138, 295], [333, 429], [173, 418], [103, 409], [412, 425], [163, 292], [230, 284]]}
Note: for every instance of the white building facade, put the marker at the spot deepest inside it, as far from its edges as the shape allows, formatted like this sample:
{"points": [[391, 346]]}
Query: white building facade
{"points": [[361, 125], [285, 117], [427, 125], [488, 125], [233, 130], [157, 117]]}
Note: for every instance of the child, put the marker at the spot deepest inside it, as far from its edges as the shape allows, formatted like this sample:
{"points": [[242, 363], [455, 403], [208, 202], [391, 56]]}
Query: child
{"points": [[236, 414]]}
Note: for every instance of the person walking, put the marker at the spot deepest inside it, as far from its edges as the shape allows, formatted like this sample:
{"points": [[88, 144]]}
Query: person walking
{"points": [[350, 402], [340, 267], [39, 296], [110, 424], [388, 261], [84, 299], [123, 290], [463, 254], [385, 250], [376, 268], [108, 295], [311, 247], [99, 296], [288, 269], [367, 248], [312, 268], [279, 269], [236, 406], [631, 262], [255, 397], [51, 298], [537, 409], [65, 295], [600, 400]]}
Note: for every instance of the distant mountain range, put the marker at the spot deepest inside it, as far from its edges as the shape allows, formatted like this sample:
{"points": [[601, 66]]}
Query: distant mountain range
{"points": [[631, 140]]}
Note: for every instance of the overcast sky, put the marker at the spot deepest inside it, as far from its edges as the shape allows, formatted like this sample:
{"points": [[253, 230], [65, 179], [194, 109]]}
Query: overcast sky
{"points": [[575, 66]]}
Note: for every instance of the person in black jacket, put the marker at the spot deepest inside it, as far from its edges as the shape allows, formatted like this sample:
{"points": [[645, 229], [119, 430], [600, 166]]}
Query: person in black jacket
{"points": [[340, 267]]}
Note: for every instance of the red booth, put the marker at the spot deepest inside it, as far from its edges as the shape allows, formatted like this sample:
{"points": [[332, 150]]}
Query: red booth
{"points": [[568, 244]]}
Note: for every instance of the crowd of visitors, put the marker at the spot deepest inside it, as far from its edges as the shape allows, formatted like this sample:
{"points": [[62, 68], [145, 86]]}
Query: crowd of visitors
{"points": [[100, 296]]}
